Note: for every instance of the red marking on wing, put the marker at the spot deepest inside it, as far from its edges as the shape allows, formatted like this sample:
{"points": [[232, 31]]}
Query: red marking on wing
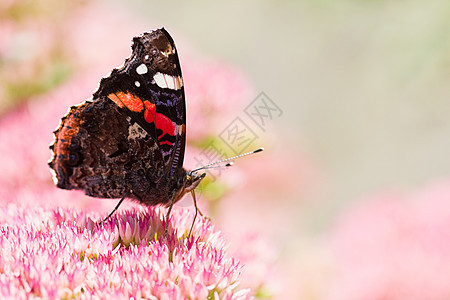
{"points": [[135, 104], [128, 100], [150, 111], [165, 124], [162, 122]]}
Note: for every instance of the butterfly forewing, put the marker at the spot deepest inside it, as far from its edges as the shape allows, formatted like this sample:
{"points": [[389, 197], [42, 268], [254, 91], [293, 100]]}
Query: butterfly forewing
{"points": [[150, 88]]}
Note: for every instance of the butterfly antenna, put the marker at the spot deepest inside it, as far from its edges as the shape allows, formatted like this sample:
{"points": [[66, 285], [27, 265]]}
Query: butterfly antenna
{"points": [[228, 160]]}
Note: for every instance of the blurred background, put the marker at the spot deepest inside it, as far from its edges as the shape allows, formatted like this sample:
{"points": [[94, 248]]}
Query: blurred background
{"points": [[350, 200]]}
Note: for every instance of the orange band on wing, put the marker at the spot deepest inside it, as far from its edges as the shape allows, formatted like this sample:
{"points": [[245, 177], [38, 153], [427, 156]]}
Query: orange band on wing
{"points": [[128, 100], [133, 103], [116, 100]]}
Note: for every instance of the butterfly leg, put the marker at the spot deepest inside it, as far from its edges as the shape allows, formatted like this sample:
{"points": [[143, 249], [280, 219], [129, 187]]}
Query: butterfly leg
{"points": [[117, 206], [196, 211], [167, 216]]}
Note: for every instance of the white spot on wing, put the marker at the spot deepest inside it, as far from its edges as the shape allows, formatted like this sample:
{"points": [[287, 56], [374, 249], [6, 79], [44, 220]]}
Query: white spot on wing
{"points": [[137, 83], [141, 69], [168, 81]]}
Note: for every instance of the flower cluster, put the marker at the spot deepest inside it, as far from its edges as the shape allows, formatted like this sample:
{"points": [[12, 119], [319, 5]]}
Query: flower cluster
{"points": [[64, 254]]}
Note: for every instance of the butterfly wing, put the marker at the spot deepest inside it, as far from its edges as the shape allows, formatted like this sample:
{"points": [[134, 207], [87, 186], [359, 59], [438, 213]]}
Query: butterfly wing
{"points": [[131, 136], [149, 87]]}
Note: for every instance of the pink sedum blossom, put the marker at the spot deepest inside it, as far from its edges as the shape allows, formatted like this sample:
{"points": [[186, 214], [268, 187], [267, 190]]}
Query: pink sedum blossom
{"points": [[64, 254]]}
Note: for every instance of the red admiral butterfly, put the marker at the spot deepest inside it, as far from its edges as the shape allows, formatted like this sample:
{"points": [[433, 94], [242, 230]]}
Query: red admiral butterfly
{"points": [[129, 140]]}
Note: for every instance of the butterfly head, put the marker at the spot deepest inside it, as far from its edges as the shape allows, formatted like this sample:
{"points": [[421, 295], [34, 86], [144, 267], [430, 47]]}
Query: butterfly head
{"points": [[190, 181], [193, 179]]}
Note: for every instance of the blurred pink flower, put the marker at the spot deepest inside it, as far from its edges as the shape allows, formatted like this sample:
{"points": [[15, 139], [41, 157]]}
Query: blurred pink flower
{"points": [[394, 245], [33, 58], [64, 254], [216, 93]]}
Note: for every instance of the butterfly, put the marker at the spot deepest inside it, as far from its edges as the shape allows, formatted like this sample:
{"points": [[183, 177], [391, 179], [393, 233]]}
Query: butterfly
{"points": [[129, 140]]}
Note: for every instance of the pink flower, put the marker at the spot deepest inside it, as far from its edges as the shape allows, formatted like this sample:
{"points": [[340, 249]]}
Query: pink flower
{"points": [[61, 253]]}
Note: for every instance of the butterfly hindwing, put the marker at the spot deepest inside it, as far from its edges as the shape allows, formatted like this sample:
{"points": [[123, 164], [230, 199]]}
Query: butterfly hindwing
{"points": [[130, 138]]}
